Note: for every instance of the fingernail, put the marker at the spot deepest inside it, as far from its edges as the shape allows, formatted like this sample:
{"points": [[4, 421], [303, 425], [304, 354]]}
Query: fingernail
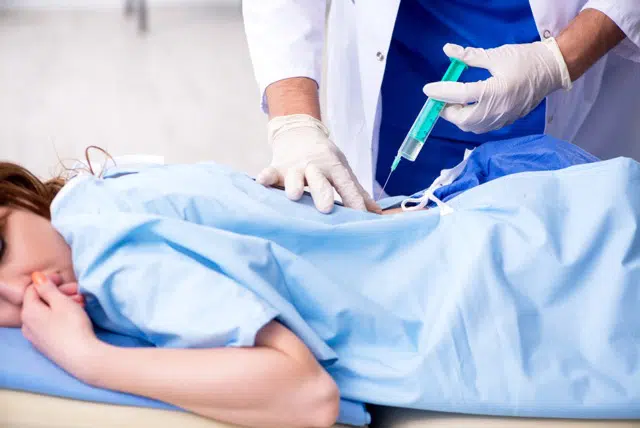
{"points": [[78, 298], [38, 278]]}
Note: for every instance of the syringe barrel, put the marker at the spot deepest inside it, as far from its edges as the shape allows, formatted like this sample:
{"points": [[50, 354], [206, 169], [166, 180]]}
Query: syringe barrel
{"points": [[428, 116]]}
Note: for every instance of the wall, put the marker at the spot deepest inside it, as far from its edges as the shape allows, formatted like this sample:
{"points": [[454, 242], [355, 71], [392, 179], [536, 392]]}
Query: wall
{"points": [[74, 78], [92, 4]]}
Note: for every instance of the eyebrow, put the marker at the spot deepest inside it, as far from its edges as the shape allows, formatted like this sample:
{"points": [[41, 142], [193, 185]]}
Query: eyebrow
{"points": [[4, 217], [3, 225]]}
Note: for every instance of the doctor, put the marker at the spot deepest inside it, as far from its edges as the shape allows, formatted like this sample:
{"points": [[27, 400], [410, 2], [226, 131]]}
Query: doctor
{"points": [[570, 69]]}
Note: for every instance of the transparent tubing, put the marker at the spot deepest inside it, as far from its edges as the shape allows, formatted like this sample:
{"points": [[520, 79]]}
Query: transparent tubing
{"points": [[427, 117]]}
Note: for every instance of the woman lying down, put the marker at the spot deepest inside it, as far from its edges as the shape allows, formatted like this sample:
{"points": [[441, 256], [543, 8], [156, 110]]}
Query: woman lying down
{"points": [[523, 300]]}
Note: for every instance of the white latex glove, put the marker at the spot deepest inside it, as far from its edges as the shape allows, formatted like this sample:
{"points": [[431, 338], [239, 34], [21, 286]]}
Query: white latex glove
{"points": [[302, 152], [522, 76]]}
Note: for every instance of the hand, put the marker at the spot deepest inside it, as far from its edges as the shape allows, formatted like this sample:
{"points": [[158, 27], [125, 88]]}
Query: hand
{"points": [[522, 76], [57, 325], [303, 152]]}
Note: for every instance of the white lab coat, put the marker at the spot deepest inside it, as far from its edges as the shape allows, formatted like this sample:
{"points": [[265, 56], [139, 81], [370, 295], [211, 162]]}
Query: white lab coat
{"points": [[286, 39]]}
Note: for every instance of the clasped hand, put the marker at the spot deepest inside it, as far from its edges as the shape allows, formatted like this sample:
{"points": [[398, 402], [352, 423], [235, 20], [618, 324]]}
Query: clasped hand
{"points": [[54, 321]]}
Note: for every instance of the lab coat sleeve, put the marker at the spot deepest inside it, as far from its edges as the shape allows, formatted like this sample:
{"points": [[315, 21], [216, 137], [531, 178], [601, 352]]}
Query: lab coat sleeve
{"points": [[626, 15], [286, 39]]}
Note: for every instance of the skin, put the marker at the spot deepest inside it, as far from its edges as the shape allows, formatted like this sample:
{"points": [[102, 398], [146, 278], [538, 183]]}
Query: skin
{"points": [[297, 95], [235, 385], [30, 245], [586, 39], [398, 210]]}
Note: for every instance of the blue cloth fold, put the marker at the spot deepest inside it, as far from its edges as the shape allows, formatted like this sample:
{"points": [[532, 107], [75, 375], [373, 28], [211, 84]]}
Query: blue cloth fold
{"points": [[497, 159]]}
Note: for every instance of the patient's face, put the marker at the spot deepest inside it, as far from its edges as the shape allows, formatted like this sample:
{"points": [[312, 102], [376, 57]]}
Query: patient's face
{"points": [[28, 244]]}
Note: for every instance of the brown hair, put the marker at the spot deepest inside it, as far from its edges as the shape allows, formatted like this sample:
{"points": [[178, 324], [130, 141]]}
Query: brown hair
{"points": [[21, 189]]}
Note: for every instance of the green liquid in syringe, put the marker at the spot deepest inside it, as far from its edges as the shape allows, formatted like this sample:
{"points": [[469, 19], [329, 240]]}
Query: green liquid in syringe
{"points": [[427, 118]]}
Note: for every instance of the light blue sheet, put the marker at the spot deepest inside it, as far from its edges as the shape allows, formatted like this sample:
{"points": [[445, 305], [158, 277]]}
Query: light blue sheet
{"points": [[524, 301]]}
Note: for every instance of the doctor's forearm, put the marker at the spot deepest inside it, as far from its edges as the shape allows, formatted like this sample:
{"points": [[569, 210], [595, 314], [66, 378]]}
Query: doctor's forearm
{"points": [[297, 95], [587, 39]]}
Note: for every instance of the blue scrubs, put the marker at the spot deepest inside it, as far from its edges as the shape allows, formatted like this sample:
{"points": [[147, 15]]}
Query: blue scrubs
{"points": [[415, 58]]}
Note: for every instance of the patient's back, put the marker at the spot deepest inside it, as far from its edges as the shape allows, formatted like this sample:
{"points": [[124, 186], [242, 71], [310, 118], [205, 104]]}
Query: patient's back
{"points": [[475, 311]]}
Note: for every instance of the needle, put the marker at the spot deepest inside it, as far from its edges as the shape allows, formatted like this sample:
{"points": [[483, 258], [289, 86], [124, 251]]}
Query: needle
{"points": [[383, 187], [394, 165]]}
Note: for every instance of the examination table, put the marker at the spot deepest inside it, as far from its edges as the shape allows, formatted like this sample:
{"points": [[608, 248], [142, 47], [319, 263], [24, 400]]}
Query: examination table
{"points": [[28, 410]]}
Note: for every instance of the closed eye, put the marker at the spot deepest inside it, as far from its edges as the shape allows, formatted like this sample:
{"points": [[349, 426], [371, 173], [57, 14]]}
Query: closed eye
{"points": [[3, 242]]}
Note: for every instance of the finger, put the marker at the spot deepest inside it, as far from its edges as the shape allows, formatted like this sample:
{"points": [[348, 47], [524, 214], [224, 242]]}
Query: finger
{"points": [[78, 299], [69, 288], [347, 189], [369, 202], [294, 183], [269, 177], [455, 92], [321, 189], [473, 57], [464, 117], [56, 278], [26, 332], [32, 307], [46, 290]]}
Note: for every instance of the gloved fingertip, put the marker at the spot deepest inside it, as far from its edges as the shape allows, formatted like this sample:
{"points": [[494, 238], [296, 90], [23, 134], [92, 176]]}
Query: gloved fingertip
{"points": [[371, 205], [451, 112], [448, 92], [453, 50], [267, 177], [375, 208], [294, 193], [433, 89], [324, 200], [324, 208]]}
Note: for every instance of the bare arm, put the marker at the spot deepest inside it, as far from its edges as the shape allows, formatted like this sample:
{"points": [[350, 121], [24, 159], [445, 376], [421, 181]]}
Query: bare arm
{"points": [[297, 95], [278, 383], [587, 39]]}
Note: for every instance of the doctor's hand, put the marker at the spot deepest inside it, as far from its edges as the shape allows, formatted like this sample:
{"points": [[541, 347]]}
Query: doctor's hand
{"points": [[303, 153], [522, 76]]}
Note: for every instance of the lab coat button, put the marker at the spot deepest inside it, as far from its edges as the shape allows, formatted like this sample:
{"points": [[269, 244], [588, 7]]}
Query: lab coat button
{"points": [[546, 34], [380, 56], [550, 119]]}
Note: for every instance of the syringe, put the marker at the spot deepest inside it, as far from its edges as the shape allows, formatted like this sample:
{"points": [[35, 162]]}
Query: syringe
{"points": [[425, 121]]}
